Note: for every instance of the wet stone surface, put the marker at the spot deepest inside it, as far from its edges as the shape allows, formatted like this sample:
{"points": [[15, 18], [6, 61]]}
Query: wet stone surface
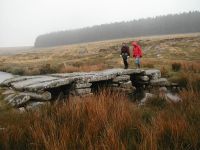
{"points": [[24, 91]]}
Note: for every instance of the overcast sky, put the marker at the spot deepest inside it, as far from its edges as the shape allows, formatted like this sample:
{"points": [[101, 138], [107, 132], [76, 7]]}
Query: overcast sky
{"points": [[21, 21]]}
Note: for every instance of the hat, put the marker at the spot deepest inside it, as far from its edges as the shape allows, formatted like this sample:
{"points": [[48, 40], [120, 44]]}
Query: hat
{"points": [[134, 43]]}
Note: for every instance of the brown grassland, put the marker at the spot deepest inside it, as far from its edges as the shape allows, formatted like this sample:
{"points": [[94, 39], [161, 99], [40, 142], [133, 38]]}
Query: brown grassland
{"points": [[108, 120]]}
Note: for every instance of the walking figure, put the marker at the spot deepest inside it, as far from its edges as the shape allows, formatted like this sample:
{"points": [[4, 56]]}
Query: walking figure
{"points": [[125, 53], [137, 53]]}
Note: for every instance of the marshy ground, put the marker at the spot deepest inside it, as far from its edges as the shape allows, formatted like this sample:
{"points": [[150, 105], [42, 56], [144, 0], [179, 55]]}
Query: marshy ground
{"points": [[159, 51], [108, 120]]}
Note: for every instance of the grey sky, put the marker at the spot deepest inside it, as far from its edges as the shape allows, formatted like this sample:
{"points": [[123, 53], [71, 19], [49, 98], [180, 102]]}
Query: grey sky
{"points": [[21, 21]]}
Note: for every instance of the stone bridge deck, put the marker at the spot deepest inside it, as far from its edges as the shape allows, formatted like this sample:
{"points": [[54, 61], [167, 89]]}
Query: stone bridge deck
{"points": [[23, 91], [43, 82]]}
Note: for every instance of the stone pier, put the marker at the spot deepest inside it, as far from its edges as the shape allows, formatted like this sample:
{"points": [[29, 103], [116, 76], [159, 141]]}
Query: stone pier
{"points": [[27, 91]]}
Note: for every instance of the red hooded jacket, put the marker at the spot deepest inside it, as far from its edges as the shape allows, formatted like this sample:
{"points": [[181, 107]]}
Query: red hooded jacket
{"points": [[137, 51]]}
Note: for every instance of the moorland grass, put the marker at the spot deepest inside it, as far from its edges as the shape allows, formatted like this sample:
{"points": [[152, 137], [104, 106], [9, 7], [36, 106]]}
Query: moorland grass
{"points": [[107, 120]]}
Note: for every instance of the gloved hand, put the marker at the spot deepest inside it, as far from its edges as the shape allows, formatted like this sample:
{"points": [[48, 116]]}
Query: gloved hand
{"points": [[120, 55]]}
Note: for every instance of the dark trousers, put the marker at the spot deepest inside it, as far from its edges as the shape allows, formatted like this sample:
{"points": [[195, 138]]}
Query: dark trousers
{"points": [[125, 60], [125, 63]]}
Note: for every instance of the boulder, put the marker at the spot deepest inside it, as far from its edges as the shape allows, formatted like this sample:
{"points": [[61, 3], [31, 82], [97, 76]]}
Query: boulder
{"points": [[34, 105], [19, 100], [83, 91], [144, 78], [126, 84], [45, 96], [159, 82], [172, 98], [153, 74], [124, 90], [9, 98], [82, 85], [146, 98]]}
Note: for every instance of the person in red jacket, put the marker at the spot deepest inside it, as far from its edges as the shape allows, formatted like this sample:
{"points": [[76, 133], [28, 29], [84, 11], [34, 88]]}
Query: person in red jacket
{"points": [[125, 53], [137, 53]]}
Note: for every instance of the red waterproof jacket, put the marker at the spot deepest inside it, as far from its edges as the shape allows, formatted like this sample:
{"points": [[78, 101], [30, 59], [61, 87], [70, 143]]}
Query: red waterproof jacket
{"points": [[137, 51]]}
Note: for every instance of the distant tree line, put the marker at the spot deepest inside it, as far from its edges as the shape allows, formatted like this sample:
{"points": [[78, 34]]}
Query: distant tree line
{"points": [[169, 24]]}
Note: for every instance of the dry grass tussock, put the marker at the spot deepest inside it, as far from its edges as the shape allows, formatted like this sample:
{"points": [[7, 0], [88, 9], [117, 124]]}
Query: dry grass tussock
{"points": [[109, 120], [191, 67], [106, 121], [188, 74], [81, 68]]}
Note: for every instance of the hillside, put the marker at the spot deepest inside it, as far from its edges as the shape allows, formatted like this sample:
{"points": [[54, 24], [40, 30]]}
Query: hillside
{"points": [[108, 120], [159, 51], [169, 24]]}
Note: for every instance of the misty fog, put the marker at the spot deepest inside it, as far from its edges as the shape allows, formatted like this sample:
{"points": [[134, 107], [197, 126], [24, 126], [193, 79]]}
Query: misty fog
{"points": [[21, 21]]}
